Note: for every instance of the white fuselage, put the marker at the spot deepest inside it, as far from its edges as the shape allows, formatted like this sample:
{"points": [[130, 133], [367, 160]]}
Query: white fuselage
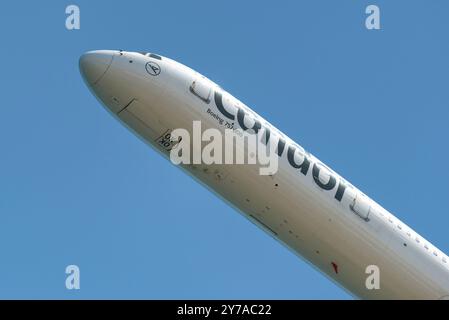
{"points": [[305, 205]]}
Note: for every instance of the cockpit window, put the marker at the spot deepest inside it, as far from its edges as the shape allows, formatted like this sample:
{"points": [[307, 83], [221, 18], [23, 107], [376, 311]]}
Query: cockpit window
{"points": [[151, 55], [155, 56]]}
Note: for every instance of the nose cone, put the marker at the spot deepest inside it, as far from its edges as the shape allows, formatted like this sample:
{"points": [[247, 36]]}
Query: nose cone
{"points": [[94, 64]]}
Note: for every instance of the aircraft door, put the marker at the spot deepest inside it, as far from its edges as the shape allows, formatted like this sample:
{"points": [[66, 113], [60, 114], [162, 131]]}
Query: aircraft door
{"points": [[202, 88], [361, 206]]}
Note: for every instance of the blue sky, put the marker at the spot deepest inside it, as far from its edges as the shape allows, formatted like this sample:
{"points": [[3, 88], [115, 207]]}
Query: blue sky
{"points": [[78, 188]]}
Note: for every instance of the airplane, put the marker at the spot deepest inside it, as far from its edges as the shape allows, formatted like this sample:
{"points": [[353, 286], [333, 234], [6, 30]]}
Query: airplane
{"points": [[304, 205]]}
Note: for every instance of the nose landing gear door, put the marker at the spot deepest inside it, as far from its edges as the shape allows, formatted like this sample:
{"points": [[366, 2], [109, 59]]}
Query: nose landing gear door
{"points": [[166, 142]]}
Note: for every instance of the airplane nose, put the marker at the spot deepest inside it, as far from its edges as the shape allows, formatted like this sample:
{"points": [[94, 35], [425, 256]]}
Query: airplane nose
{"points": [[94, 64]]}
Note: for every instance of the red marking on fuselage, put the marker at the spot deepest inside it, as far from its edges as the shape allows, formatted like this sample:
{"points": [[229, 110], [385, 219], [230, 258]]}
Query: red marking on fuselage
{"points": [[335, 266]]}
